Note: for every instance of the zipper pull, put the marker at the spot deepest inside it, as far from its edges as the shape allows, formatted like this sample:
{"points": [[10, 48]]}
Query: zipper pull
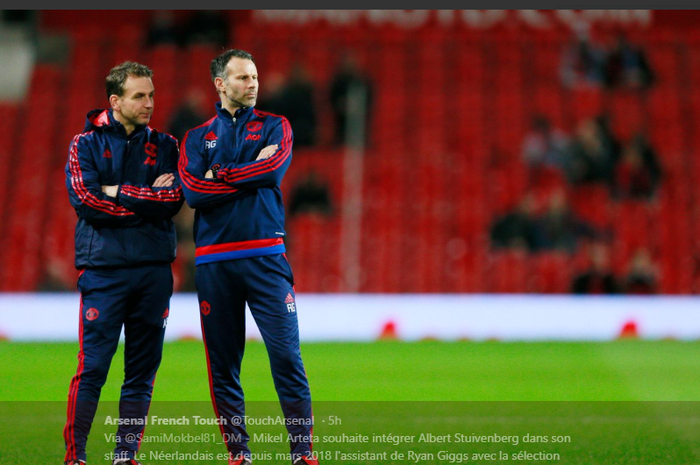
{"points": [[234, 120]]}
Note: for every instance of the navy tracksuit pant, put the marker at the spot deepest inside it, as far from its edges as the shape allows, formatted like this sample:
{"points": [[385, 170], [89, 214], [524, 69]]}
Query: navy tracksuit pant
{"points": [[137, 299], [267, 285]]}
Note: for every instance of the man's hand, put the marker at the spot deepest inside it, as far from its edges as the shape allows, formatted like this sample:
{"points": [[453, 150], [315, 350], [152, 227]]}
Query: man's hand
{"points": [[267, 152], [111, 191], [164, 180]]}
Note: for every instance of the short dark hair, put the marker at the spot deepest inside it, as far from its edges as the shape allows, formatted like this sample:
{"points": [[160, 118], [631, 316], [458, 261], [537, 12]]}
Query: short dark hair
{"points": [[117, 76], [218, 64]]}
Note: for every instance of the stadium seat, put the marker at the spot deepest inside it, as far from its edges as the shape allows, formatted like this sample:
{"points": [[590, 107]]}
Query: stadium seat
{"points": [[508, 273], [585, 102], [592, 204], [8, 127], [22, 239], [552, 273]]}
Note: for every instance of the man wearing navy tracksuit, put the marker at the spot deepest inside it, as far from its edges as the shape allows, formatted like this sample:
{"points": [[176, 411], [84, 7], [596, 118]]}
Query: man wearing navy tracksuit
{"points": [[231, 168], [123, 182]]}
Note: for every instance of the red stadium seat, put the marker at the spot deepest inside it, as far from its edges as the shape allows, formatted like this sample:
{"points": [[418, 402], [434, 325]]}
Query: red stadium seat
{"points": [[508, 273], [552, 273]]}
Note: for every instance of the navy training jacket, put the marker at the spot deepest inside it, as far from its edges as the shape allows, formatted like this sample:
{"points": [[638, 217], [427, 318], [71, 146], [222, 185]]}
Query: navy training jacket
{"points": [[136, 227], [240, 213]]}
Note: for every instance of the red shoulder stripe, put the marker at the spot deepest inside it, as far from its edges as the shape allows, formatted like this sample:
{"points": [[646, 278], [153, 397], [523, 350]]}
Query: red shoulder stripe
{"points": [[83, 193]]}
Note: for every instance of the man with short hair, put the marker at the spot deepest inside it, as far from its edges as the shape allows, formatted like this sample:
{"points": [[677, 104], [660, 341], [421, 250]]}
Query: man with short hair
{"points": [[123, 182], [231, 168]]}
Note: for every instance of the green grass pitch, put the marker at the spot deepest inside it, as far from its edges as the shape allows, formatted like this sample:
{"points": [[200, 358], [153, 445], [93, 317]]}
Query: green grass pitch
{"points": [[393, 402]]}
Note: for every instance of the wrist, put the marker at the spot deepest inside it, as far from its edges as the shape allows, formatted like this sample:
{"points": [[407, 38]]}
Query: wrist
{"points": [[214, 170]]}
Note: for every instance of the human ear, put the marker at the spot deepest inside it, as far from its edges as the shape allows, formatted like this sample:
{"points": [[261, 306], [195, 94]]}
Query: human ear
{"points": [[219, 84], [114, 102]]}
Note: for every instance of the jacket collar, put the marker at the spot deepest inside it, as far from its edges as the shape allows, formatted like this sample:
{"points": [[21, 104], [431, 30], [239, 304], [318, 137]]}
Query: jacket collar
{"points": [[104, 119], [241, 113]]}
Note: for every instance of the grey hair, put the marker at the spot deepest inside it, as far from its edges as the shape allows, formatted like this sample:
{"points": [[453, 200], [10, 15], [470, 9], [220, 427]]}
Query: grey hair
{"points": [[218, 64]]}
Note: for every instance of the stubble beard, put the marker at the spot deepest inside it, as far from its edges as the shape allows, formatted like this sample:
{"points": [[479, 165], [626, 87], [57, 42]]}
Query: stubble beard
{"points": [[241, 102]]}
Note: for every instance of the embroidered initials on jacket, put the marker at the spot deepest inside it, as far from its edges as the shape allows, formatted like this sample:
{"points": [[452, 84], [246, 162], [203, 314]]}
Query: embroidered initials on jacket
{"points": [[151, 150]]}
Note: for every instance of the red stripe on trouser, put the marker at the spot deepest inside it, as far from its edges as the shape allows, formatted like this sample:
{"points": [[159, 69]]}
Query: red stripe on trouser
{"points": [[69, 430], [211, 379], [311, 434], [153, 383]]}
